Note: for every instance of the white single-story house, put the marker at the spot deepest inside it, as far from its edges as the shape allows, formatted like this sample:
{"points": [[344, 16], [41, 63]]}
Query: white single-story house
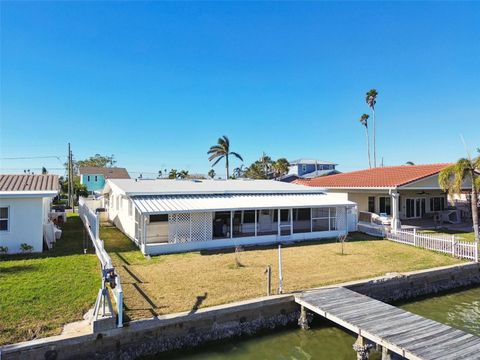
{"points": [[24, 209], [404, 193], [167, 216]]}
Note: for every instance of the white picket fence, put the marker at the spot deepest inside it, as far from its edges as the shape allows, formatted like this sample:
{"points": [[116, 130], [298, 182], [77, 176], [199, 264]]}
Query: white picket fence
{"points": [[447, 244], [92, 224]]}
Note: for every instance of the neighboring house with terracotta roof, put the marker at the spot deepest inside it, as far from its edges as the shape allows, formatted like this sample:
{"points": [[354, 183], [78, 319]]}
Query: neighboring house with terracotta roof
{"points": [[402, 192], [24, 210], [94, 177]]}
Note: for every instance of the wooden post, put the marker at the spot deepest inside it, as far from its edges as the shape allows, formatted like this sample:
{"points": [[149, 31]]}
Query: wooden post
{"points": [[280, 275], [453, 245], [268, 271], [386, 354], [303, 319], [415, 237], [362, 348]]}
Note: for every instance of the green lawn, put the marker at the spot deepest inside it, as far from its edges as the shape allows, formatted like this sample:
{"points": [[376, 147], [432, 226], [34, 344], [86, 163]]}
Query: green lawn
{"points": [[180, 282], [460, 235], [41, 292]]}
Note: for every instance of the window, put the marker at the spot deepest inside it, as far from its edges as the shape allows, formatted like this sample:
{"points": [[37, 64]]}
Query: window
{"points": [[385, 205], [371, 204], [4, 218], [88, 178], [437, 203], [301, 214], [96, 178], [117, 203], [249, 216], [158, 218], [129, 207], [324, 219], [304, 168]]}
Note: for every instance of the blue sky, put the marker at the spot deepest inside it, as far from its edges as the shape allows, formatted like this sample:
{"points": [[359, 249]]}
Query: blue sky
{"points": [[157, 83]]}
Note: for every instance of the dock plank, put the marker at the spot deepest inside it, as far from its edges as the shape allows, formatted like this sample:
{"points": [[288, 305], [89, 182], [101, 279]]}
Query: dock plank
{"points": [[398, 330]]}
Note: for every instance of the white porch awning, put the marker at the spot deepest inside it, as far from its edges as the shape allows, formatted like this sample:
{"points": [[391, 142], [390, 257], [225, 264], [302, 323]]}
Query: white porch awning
{"points": [[158, 204]]}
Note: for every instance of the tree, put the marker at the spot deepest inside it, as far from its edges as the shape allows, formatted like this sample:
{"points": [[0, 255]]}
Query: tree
{"points": [[371, 100], [409, 163], [239, 172], [183, 174], [451, 178], [221, 151], [255, 171], [266, 163], [173, 174], [211, 173], [364, 122], [44, 170], [97, 161], [280, 167]]}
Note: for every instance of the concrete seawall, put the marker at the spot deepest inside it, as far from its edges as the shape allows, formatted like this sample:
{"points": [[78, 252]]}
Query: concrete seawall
{"points": [[182, 330]]}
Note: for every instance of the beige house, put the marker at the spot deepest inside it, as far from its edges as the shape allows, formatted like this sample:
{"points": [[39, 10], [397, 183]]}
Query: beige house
{"points": [[403, 193]]}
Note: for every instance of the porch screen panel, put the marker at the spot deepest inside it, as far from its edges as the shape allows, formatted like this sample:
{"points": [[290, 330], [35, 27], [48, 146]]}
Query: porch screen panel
{"points": [[184, 227]]}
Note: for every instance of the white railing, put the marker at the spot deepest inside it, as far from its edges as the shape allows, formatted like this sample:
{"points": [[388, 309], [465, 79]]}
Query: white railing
{"points": [[92, 225], [444, 243]]}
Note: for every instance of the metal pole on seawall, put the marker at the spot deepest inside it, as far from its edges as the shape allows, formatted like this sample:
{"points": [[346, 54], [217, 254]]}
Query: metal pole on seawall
{"points": [[280, 275]]}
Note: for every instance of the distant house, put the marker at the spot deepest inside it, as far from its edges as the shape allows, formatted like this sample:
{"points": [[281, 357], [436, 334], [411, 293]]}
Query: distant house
{"points": [[309, 168], [24, 209], [166, 216], [94, 177], [408, 192]]}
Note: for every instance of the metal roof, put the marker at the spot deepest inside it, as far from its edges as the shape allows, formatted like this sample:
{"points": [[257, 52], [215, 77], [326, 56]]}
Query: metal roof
{"points": [[219, 202], [206, 187], [30, 183], [107, 172]]}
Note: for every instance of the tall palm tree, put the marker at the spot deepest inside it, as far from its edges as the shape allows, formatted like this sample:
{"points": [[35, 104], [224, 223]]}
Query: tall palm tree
{"points": [[364, 122], [211, 173], [452, 177], [222, 150], [371, 100]]}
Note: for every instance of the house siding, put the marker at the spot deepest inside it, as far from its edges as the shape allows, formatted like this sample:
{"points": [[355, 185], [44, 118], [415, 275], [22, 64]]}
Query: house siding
{"points": [[26, 218], [91, 184]]}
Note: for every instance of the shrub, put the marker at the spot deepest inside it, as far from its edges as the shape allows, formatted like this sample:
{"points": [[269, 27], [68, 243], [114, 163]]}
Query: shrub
{"points": [[3, 249], [25, 248]]}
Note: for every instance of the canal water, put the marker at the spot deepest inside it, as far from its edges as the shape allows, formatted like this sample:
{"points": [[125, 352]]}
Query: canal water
{"points": [[326, 341]]}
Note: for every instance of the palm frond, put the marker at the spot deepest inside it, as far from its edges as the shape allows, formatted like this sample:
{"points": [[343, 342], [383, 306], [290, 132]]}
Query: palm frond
{"points": [[216, 162], [237, 155], [215, 155]]}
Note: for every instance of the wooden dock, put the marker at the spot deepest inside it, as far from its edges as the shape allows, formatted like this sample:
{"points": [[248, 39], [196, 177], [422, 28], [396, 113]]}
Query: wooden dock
{"points": [[394, 329]]}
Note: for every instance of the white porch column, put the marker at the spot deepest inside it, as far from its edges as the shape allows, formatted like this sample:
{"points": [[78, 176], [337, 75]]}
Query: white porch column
{"points": [[395, 213], [291, 221], [231, 224], [278, 223], [256, 223]]}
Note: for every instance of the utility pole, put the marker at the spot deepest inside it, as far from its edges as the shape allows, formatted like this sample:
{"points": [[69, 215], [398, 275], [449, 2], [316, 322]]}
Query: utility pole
{"points": [[68, 175]]}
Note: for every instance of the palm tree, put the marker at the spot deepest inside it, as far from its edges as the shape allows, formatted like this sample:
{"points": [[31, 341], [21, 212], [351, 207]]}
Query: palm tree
{"points": [[452, 177], [211, 173], [173, 174], [222, 150], [371, 100], [266, 163], [280, 167], [183, 174], [364, 122], [409, 163], [239, 172]]}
